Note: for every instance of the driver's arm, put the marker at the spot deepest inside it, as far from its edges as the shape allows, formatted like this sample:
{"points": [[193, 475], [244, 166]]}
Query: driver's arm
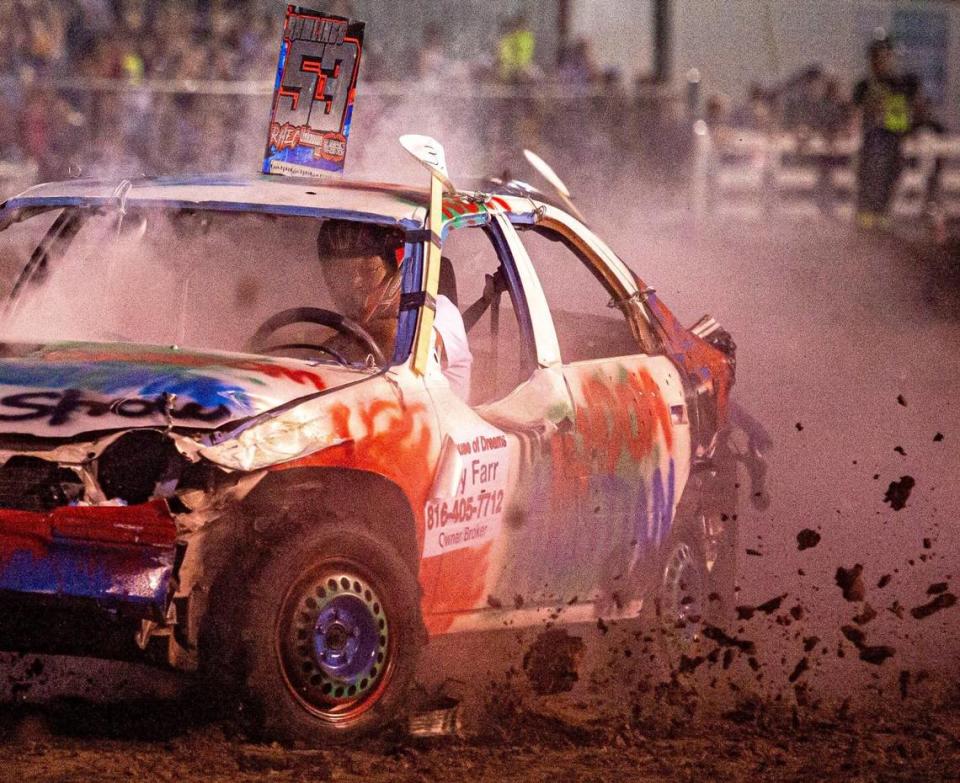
{"points": [[456, 361]]}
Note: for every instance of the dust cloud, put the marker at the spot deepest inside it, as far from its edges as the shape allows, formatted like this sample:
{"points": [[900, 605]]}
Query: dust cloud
{"points": [[847, 356], [834, 330], [170, 278]]}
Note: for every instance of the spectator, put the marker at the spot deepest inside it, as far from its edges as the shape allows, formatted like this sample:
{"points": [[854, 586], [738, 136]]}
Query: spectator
{"points": [[433, 65], [135, 17], [99, 15], [12, 40], [834, 112], [717, 112], [802, 99], [48, 39], [576, 64], [515, 52], [886, 99], [757, 113]]}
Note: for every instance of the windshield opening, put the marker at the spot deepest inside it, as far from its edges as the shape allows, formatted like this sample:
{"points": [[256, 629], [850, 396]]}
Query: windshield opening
{"points": [[285, 286]]}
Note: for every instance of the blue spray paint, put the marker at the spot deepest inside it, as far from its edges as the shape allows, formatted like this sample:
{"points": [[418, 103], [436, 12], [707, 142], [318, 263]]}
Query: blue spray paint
{"points": [[124, 574], [654, 510], [114, 378]]}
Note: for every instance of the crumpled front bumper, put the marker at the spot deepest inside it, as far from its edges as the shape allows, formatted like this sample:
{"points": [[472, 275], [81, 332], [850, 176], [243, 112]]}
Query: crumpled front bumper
{"points": [[118, 556]]}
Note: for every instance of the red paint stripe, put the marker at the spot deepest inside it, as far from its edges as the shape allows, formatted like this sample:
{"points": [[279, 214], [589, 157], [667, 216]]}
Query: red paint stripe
{"points": [[150, 524]]}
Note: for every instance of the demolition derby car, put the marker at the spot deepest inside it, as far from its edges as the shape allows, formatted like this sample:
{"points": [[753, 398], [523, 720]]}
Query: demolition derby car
{"points": [[230, 441]]}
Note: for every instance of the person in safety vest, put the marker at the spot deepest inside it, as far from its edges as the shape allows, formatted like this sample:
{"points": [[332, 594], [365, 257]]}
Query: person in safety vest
{"points": [[515, 52], [887, 101]]}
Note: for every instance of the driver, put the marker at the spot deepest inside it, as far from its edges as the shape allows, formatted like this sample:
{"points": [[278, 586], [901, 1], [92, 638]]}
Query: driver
{"points": [[361, 266]]}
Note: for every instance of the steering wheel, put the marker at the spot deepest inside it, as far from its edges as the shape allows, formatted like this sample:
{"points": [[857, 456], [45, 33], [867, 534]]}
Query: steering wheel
{"points": [[315, 315]]}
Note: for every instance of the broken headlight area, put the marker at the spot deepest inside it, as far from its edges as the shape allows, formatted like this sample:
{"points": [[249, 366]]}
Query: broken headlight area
{"points": [[107, 522], [139, 466], [288, 437], [145, 466], [33, 484], [131, 469], [710, 331]]}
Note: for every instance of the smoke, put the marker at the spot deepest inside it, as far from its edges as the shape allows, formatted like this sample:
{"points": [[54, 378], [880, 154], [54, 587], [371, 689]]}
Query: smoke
{"points": [[202, 280], [845, 356]]}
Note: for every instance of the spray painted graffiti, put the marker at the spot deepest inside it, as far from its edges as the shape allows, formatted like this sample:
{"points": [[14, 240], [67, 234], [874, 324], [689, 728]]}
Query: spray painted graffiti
{"points": [[596, 543], [248, 370], [86, 552], [115, 378], [602, 494], [654, 510], [67, 383], [59, 408]]}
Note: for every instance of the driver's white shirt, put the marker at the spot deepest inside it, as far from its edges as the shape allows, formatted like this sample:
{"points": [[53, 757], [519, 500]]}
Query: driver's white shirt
{"points": [[459, 361]]}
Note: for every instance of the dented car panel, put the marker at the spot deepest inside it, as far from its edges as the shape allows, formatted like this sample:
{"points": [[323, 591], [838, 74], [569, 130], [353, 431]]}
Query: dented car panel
{"points": [[709, 376], [143, 458], [116, 555]]}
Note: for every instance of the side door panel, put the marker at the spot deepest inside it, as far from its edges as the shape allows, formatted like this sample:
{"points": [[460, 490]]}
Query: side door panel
{"points": [[598, 497], [617, 471], [625, 464], [479, 498], [591, 458]]}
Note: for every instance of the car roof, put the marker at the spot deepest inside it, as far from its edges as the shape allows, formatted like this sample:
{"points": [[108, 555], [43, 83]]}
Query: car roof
{"points": [[308, 197]]}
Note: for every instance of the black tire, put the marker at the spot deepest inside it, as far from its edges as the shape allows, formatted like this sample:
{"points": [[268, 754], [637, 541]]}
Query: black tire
{"points": [[697, 587], [314, 673], [683, 598], [718, 512]]}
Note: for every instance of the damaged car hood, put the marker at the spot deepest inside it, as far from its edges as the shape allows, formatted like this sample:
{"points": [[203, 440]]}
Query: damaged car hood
{"points": [[67, 389]]}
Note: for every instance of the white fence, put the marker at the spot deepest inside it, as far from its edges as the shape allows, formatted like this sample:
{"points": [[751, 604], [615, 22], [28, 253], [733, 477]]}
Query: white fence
{"points": [[730, 171], [747, 174]]}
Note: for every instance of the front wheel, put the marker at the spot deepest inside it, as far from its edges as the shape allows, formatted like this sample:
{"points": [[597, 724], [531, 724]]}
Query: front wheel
{"points": [[331, 637]]}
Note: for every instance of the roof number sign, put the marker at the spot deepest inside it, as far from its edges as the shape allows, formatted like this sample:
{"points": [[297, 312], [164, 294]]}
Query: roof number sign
{"points": [[314, 93]]}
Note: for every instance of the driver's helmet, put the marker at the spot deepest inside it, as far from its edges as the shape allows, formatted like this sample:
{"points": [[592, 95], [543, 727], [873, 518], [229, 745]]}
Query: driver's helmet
{"points": [[361, 265]]}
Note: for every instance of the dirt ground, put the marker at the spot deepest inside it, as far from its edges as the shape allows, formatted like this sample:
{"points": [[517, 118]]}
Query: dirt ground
{"points": [[556, 740], [843, 663]]}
